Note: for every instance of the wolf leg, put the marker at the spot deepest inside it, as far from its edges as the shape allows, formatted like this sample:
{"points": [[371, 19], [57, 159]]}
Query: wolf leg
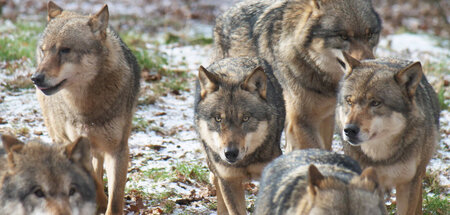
{"points": [[221, 207], [116, 163], [326, 131], [102, 200], [300, 133], [233, 196], [408, 196]]}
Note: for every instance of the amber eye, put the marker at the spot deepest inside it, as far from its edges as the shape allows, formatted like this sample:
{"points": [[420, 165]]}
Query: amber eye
{"points": [[375, 103], [245, 118], [344, 37], [349, 100], [218, 118]]}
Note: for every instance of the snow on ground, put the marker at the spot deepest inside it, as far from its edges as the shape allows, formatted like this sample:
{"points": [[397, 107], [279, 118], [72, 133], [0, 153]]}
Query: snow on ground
{"points": [[170, 138]]}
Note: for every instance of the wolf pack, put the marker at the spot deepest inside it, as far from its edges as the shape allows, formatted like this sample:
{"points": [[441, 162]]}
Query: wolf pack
{"points": [[305, 67]]}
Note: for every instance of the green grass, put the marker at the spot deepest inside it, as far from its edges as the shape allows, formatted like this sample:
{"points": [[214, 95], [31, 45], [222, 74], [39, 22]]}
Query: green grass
{"points": [[19, 42], [444, 104], [193, 171], [436, 204], [157, 174]]}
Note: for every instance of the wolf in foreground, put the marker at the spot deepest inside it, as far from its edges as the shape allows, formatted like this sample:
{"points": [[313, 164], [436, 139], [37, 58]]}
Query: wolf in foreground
{"points": [[37, 178], [88, 81], [319, 182], [388, 116], [303, 41], [239, 114]]}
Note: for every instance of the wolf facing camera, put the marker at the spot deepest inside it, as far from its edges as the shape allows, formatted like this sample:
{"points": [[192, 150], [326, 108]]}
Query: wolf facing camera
{"points": [[239, 114]]}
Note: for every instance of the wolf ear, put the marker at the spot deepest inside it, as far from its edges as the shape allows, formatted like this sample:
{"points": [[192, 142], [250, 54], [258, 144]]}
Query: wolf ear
{"points": [[209, 82], [370, 174], [410, 77], [314, 179], [256, 81], [349, 63], [11, 145], [369, 179], [99, 22], [53, 10], [79, 151]]}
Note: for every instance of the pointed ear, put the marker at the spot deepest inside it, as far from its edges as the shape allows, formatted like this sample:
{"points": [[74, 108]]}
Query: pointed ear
{"points": [[99, 22], [11, 144], [410, 77], [349, 64], [79, 151], [209, 82], [53, 10], [315, 4], [256, 82], [314, 179], [370, 174]]}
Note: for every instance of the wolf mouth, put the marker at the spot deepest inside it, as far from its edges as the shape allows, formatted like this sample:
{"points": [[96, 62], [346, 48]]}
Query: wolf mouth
{"points": [[52, 90], [354, 141]]}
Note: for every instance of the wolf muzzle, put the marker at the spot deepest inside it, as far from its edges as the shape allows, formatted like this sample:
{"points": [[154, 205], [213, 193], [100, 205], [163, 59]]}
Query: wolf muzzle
{"points": [[231, 154], [351, 131]]}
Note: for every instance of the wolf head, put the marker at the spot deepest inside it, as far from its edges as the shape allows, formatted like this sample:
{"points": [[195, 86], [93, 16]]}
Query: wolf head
{"points": [[328, 195], [329, 27], [232, 115], [69, 52], [375, 98], [44, 179]]}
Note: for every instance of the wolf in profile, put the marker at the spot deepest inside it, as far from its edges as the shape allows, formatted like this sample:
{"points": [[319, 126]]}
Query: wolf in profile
{"points": [[87, 83], [239, 114], [319, 182], [388, 115], [303, 40], [37, 178]]}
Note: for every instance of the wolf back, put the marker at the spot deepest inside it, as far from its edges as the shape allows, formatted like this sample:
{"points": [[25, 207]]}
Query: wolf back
{"points": [[336, 186]]}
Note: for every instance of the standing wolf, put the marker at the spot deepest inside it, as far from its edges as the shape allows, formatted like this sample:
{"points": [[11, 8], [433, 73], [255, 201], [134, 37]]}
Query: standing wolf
{"points": [[389, 116], [36, 178], [319, 182], [239, 113], [88, 82], [303, 41]]}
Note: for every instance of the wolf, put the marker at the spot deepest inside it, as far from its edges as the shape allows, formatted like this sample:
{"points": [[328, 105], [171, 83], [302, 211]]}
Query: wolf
{"points": [[388, 117], [87, 83], [303, 40], [319, 182], [239, 115], [38, 178]]}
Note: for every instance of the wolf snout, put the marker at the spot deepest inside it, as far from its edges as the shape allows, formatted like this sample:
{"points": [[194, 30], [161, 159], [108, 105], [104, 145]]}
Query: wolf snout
{"points": [[231, 153], [38, 78], [351, 131]]}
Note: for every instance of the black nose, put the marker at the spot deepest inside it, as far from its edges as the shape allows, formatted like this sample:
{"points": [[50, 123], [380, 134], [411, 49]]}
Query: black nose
{"points": [[231, 153], [38, 78], [351, 130]]}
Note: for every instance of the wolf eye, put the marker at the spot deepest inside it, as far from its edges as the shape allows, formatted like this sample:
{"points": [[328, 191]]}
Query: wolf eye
{"points": [[38, 192], [218, 118], [344, 37], [349, 100], [375, 103], [245, 118], [72, 190], [64, 50]]}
